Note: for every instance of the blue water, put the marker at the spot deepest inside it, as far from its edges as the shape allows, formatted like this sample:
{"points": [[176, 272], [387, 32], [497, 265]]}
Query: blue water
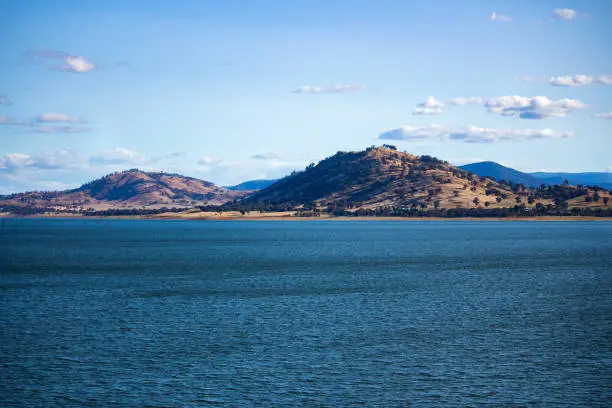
{"points": [[368, 314]]}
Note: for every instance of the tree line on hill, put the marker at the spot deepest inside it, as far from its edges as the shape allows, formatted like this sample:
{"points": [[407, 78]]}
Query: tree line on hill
{"points": [[89, 212], [517, 211], [415, 210], [418, 210]]}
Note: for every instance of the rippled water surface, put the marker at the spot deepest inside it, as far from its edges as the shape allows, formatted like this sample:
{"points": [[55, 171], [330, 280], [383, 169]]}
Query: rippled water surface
{"points": [[372, 314]]}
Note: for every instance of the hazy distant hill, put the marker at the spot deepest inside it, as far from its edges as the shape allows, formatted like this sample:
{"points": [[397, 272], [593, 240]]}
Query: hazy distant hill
{"points": [[252, 185], [592, 178], [499, 172], [131, 188]]}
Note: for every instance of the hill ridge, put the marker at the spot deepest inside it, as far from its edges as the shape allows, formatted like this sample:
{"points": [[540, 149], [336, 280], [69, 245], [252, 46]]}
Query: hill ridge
{"points": [[383, 176], [132, 187], [501, 172]]}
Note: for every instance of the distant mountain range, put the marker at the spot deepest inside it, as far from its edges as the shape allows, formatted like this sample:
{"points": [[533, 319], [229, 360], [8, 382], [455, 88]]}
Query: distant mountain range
{"points": [[252, 185], [499, 172], [588, 179]]}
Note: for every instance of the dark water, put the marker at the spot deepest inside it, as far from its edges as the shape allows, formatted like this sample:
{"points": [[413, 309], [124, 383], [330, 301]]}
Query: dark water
{"points": [[370, 314]]}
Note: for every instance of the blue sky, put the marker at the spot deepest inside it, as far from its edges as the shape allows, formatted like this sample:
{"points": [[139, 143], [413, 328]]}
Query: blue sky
{"points": [[234, 90]]}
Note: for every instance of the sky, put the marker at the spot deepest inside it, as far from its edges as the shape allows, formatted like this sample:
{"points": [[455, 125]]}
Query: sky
{"points": [[234, 90]]}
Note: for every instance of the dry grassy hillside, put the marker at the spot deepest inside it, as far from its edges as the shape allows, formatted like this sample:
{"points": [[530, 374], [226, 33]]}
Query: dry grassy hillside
{"points": [[131, 188], [383, 176]]}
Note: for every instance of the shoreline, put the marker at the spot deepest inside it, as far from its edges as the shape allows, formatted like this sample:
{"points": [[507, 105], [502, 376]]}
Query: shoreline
{"points": [[162, 217]]}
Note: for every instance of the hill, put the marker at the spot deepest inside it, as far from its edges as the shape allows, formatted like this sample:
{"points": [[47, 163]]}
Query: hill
{"points": [[130, 188], [499, 172], [382, 177], [252, 185], [385, 177]]}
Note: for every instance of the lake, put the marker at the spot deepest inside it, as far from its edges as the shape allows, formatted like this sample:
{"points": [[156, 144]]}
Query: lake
{"points": [[118, 313]]}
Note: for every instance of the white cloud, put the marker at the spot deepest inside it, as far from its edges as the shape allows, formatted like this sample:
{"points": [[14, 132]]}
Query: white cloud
{"points": [[61, 159], [29, 181], [470, 134], [5, 101], [70, 62], [474, 134], [266, 156], [77, 64], [43, 54], [169, 157], [39, 123], [414, 133], [525, 78], [12, 161], [462, 100], [57, 118], [431, 106], [59, 129], [607, 115], [537, 107], [431, 102], [24, 172], [339, 88], [206, 161], [580, 80], [4, 121], [427, 111], [604, 79], [576, 80], [498, 17], [564, 14], [118, 156]]}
